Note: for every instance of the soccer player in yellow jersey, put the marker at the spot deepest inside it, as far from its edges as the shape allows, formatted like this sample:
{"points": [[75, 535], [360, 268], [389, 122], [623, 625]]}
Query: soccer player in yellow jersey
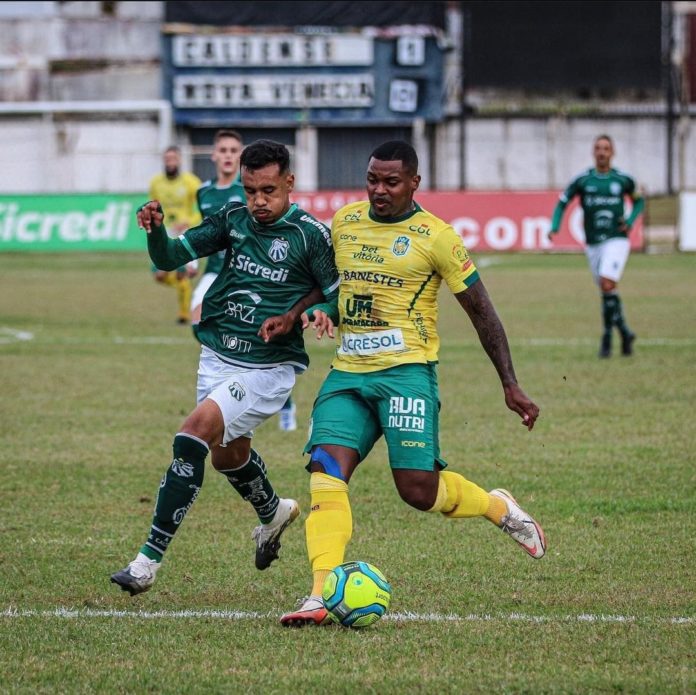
{"points": [[392, 257], [176, 191]]}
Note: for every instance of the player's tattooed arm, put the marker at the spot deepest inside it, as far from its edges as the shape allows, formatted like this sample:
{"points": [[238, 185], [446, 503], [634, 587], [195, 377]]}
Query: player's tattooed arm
{"points": [[479, 307]]}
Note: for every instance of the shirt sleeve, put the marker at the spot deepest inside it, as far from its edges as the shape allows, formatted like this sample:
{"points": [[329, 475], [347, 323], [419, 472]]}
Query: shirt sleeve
{"points": [[325, 273], [452, 262], [211, 235], [568, 194]]}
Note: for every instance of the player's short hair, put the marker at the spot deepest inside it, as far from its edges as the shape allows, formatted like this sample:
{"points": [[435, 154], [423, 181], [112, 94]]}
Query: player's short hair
{"points": [[173, 148], [400, 150], [261, 153], [227, 133], [604, 136]]}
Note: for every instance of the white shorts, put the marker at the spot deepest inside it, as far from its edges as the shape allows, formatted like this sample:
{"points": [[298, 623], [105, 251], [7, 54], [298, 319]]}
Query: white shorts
{"points": [[246, 397], [202, 287], [608, 258]]}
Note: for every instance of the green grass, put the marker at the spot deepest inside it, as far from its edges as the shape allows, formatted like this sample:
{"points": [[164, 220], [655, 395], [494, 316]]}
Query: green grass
{"points": [[88, 410]]}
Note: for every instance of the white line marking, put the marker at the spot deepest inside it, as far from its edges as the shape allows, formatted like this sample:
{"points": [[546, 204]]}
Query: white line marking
{"points": [[11, 335], [396, 617], [153, 340]]}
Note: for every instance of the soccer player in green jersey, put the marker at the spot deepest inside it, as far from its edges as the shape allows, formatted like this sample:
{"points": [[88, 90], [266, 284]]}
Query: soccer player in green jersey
{"points": [[214, 194], [392, 257], [602, 191], [276, 256]]}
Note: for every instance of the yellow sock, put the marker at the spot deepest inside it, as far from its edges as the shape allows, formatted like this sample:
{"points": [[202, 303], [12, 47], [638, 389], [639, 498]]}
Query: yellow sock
{"points": [[183, 295], [458, 497], [170, 280], [328, 527]]}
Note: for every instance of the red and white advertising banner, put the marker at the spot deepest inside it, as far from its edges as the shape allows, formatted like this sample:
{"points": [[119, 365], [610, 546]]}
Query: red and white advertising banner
{"points": [[495, 221]]}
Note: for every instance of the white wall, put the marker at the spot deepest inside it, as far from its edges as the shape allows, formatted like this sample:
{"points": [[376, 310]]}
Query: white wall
{"points": [[546, 152], [38, 154]]}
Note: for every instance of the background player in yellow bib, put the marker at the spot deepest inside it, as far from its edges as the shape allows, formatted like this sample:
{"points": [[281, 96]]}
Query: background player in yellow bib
{"points": [[176, 190], [392, 257]]}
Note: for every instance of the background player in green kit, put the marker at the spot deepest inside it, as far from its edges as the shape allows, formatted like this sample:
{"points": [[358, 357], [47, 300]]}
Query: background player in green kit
{"points": [[392, 257], [602, 191], [213, 195], [276, 256]]}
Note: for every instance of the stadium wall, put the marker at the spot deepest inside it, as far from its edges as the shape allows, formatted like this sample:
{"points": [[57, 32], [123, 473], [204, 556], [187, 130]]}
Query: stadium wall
{"points": [[119, 152]]}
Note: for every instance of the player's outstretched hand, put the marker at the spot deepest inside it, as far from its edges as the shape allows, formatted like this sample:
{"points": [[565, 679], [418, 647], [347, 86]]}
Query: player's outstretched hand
{"points": [[274, 326], [149, 215], [520, 403], [322, 323]]}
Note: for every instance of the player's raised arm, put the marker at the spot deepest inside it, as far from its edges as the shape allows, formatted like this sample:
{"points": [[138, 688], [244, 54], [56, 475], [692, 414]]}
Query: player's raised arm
{"points": [[477, 304]]}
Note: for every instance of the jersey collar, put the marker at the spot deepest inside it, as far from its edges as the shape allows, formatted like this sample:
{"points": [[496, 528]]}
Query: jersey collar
{"points": [[278, 222], [236, 180], [400, 218]]}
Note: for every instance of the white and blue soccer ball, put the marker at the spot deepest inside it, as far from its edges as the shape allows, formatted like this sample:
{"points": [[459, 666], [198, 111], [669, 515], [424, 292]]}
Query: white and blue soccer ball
{"points": [[356, 594]]}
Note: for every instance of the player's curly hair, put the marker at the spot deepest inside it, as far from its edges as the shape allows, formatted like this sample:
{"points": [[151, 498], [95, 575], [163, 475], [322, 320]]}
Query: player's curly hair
{"points": [[397, 150], [261, 153]]}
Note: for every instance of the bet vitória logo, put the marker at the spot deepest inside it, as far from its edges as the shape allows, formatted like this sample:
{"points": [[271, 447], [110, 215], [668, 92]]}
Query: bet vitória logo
{"points": [[356, 594]]}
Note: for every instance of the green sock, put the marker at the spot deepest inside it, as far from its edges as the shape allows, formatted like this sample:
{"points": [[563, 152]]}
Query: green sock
{"points": [[178, 491], [619, 320], [608, 311], [252, 483]]}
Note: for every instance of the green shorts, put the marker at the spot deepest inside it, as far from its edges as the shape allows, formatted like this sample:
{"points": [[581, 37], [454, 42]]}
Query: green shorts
{"points": [[401, 403]]}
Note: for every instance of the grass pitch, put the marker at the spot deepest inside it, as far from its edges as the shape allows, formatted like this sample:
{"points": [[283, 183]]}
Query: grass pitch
{"points": [[96, 378]]}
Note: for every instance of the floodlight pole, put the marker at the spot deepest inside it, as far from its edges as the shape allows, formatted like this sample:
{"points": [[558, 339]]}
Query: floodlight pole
{"points": [[668, 79]]}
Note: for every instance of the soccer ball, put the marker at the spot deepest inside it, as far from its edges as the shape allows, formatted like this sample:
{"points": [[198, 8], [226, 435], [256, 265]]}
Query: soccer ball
{"points": [[356, 594]]}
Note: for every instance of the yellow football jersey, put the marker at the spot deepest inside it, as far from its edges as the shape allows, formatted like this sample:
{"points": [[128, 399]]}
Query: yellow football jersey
{"points": [[390, 274], [178, 199]]}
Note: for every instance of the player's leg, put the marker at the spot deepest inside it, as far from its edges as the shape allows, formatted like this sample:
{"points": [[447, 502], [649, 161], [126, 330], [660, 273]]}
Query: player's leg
{"points": [[183, 296], [613, 260], [246, 399], [177, 492], [594, 254], [246, 471], [164, 277], [287, 418], [408, 409], [343, 432]]}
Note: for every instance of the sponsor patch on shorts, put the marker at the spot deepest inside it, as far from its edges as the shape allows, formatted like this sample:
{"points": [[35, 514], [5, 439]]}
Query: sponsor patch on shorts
{"points": [[372, 343]]}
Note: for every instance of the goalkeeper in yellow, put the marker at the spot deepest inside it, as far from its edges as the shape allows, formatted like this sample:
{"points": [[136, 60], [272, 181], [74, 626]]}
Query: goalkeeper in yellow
{"points": [[176, 191], [392, 257]]}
